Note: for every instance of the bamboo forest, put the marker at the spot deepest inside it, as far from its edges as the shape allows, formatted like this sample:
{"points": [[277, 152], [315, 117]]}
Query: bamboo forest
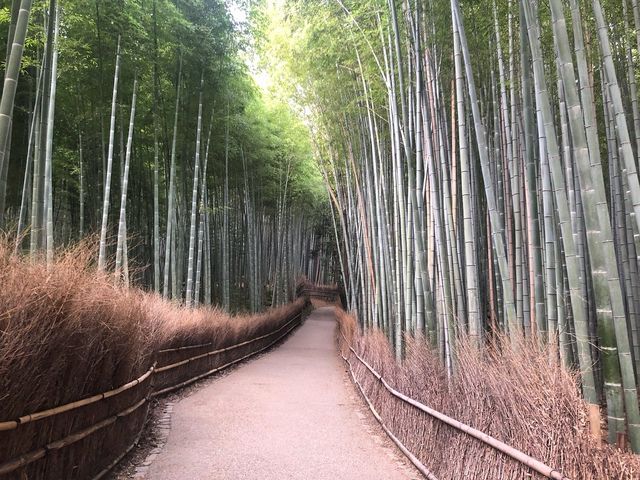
{"points": [[320, 239]]}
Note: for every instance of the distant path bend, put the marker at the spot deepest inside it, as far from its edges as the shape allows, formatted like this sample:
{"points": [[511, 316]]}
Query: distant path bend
{"points": [[290, 414]]}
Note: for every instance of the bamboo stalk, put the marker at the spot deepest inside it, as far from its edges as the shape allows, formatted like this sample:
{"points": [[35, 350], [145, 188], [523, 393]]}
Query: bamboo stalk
{"points": [[107, 183]]}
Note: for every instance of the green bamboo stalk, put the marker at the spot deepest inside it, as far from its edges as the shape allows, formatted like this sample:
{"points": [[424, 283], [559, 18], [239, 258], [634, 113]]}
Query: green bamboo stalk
{"points": [[194, 203], [601, 249], [122, 225], [49, 134], [573, 267], [107, 182], [171, 214], [496, 222], [12, 72]]}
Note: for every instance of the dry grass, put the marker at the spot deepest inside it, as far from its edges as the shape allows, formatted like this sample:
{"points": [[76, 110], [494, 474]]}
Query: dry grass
{"points": [[513, 392], [211, 329], [67, 333], [178, 326]]}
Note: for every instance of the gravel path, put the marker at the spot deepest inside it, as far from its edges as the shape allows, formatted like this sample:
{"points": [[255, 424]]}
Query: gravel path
{"points": [[290, 414]]}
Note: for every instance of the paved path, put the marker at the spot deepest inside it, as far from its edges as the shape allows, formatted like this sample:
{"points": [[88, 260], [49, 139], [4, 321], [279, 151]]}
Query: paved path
{"points": [[290, 414]]}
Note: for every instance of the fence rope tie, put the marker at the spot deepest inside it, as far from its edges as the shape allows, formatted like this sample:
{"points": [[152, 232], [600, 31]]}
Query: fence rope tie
{"points": [[512, 452]]}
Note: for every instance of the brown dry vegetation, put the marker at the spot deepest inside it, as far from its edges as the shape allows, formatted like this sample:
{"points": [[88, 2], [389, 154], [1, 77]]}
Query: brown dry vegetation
{"points": [[210, 329], [177, 326], [67, 333], [514, 393]]}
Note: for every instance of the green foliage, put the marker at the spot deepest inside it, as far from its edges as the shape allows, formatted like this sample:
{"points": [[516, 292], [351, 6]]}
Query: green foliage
{"points": [[154, 35]]}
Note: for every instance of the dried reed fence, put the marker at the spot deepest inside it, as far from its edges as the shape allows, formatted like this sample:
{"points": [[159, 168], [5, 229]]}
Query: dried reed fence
{"points": [[513, 393], [80, 360]]}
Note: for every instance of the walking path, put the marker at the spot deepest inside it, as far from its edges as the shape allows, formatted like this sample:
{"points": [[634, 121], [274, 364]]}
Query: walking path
{"points": [[290, 414]]}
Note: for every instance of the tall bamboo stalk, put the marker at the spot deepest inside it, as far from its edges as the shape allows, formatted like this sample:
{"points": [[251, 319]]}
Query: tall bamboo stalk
{"points": [[12, 71], [194, 204], [169, 259], [107, 183], [122, 225]]}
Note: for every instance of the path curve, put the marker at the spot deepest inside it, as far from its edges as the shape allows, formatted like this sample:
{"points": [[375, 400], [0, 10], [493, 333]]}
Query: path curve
{"points": [[290, 414]]}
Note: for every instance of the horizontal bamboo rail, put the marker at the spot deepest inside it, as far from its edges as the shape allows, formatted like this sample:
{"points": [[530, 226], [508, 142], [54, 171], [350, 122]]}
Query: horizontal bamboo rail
{"points": [[39, 453], [502, 447], [188, 347], [324, 291]]}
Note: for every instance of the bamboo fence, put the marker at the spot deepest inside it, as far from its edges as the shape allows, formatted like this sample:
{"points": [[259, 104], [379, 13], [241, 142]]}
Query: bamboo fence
{"points": [[515, 454], [537, 469], [86, 438]]}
